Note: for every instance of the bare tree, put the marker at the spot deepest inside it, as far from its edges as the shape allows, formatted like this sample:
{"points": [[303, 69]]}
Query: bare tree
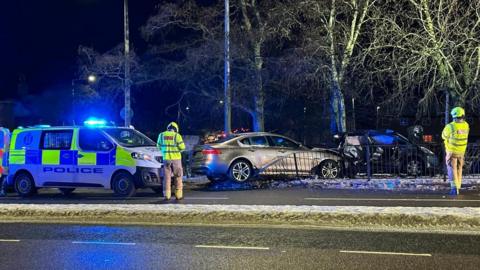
{"points": [[423, 48], [257, 30], [332, 31], [108, 68]]}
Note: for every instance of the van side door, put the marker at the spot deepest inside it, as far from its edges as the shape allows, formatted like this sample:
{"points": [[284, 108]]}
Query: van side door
{"points": [[57, 159], [96, 158]]}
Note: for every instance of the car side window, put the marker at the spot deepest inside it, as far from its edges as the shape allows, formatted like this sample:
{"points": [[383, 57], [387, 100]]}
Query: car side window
{"points": [[259, 141], [245, 141], [57, 139], [283, 142], [93, 141]]}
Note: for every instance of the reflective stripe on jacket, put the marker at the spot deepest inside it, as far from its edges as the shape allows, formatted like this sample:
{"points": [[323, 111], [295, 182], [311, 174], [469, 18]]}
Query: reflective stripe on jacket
{"points": [[455, 136], [171, 144]]}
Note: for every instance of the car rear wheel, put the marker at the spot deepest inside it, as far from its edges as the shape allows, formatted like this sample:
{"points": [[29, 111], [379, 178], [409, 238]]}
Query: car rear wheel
{"points": [[328, 169], [66, 191], [24, 185], [123, 185], [240, 171]]}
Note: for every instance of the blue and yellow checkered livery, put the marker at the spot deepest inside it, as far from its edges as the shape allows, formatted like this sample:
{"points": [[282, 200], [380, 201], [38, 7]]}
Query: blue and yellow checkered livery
{"points": [[26, 151]]}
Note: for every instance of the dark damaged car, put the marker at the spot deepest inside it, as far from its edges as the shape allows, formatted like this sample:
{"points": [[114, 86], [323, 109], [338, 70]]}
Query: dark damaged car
{"points": [[385, 152]]}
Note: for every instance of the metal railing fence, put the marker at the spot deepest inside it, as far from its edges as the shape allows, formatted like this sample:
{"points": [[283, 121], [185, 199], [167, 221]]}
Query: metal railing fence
{"points": [[372, 161]]}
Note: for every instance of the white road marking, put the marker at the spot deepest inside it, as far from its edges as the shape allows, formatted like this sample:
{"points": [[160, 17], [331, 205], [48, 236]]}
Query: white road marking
{"points": [[233, 247], [386, 253], [206, 198], [387, 199], [9, 240], [102, 243]]}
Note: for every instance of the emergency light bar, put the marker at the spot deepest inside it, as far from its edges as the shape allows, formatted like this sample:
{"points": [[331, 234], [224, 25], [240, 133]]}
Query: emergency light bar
{"points": [[94, 122]]}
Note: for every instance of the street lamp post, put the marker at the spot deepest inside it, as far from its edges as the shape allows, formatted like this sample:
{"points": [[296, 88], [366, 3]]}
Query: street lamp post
{"points": [[126, 83], [228, 97]]}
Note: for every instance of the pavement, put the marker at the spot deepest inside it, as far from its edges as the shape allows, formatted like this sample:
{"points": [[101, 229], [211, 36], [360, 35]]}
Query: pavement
{"points": [[57, 246]]}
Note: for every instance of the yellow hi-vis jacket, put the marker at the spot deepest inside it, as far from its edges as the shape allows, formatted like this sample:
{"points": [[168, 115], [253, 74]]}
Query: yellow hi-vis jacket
{"points": [[171, 144], [455, 136]]}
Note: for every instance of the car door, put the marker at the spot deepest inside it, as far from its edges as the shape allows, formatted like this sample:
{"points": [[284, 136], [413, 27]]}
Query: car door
{"points": [[58, 158], [285, 149], [261, 153], [96, 158]]}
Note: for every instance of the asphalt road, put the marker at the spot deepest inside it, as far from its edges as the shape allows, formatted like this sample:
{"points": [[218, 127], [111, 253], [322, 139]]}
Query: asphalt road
{"points": [[199, 194], [44, 246]]}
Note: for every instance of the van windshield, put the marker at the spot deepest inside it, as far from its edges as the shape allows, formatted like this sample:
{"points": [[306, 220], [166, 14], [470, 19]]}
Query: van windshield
{"points": [[129, 137]]}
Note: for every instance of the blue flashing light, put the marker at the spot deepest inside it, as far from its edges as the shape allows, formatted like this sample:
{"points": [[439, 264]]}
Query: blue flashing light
{"points": [[95, 122]]}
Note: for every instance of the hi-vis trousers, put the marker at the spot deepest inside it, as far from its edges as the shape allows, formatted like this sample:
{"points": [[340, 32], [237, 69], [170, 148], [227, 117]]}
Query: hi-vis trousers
{"points": [[455, 169], [172, 168]]}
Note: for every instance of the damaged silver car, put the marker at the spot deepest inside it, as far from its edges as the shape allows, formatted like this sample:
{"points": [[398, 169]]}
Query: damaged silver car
{"points": [[242, 157]]}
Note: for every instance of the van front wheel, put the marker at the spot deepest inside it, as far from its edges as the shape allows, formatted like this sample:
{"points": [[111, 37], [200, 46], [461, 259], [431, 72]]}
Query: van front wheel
{"points": [[123, 185], [24, 185]]}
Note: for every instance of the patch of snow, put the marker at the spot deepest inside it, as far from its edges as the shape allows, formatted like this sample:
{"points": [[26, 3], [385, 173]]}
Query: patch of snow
{"points": [[460, 218]]}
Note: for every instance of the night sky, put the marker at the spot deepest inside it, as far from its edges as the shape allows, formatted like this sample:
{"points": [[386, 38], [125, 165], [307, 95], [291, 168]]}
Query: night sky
{"points": [[39, 38]]}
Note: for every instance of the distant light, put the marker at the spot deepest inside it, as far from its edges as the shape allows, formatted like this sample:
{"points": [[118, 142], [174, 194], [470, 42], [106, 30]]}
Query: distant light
{"points": [[95, 122], [92, 78], [221, 101]]}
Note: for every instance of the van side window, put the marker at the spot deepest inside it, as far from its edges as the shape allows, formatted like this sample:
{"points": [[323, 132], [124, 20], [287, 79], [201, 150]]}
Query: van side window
{"points": [[57, 139], [28, 140], [94, 141]]}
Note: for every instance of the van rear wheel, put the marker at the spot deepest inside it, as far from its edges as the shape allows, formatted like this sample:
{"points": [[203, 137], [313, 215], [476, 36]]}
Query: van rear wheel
{"points": [[123, 185], [24, 185]]}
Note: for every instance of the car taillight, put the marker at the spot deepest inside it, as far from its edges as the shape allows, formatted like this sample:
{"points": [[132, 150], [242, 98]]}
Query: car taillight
{"points": [[211, 152]]}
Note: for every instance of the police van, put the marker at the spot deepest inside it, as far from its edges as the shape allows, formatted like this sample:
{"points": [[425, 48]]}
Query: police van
{"points": [[90, 156]]}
